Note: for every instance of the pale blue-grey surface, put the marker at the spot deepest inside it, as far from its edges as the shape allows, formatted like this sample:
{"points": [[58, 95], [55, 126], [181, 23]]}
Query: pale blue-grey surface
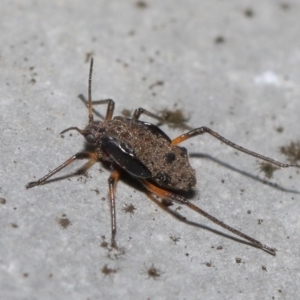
{"points": [[231, 65]]}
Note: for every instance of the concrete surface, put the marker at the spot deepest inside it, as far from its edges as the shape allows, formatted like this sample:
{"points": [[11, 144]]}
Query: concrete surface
{"points": [[231, 65]]}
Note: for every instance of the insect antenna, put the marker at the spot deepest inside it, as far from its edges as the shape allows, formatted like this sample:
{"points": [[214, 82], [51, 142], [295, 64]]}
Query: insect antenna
{"points": [[91, 117], [72, 128]]}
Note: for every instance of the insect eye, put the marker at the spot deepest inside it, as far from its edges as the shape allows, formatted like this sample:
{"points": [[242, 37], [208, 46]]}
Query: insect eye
{"points": [[90, 138]]}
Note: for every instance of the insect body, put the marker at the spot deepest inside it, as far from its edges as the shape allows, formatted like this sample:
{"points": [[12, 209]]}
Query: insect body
{"points": [[146, 153], [143, 150]]}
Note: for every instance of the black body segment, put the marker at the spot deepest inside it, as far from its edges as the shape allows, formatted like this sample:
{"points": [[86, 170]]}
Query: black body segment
{"points": [[122, 154]]}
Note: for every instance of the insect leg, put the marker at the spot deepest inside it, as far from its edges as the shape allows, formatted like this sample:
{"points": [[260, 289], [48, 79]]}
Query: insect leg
{"points": [[110, 107], [80, 155], [202, 130], [86, 166], [174, 197], [139, 111], [112, 180]]}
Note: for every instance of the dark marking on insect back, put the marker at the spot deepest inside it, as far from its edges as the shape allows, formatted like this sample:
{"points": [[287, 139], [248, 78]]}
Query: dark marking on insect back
{"points": [[170, 157]]}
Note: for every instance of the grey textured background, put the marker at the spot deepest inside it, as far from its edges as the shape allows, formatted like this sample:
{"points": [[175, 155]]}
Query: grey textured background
{"points": [[244, 88]]}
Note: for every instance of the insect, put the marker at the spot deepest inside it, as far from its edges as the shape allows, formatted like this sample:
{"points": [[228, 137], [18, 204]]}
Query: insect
{"points": [[145, 152]]}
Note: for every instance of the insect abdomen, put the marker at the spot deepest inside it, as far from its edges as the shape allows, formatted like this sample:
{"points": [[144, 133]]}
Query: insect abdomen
{"points": [[168, 164]]}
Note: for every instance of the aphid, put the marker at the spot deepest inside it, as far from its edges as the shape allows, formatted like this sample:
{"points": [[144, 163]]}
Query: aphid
{"points": [[145, 152]]}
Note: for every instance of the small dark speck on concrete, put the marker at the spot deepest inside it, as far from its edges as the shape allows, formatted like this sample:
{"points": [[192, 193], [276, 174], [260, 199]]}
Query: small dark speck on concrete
{"points": [[141, 4], [268, 169], [264, 268], [291, 151], [14, 225], [175, 239], [208, 264], [2, 200], [238, 260], [219, 40], [249, 13], [129, 208], [108, 271], [131, 33], [285, 6], [259, 221], [103, 244], [174, 118], [157, 83], [153, 272], [64, 222]]}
